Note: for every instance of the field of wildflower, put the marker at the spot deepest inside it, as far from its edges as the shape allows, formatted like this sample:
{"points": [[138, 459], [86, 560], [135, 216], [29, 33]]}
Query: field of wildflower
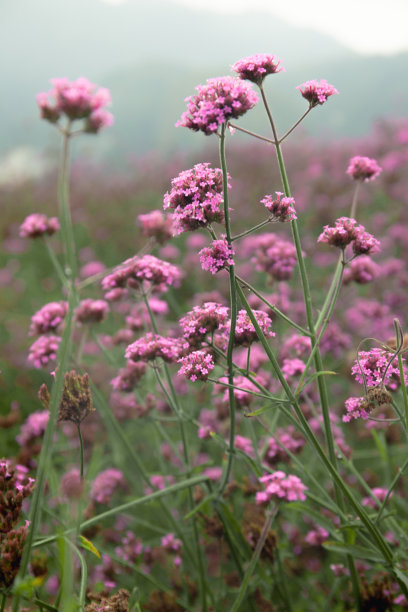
{"points": [[203, 373]]}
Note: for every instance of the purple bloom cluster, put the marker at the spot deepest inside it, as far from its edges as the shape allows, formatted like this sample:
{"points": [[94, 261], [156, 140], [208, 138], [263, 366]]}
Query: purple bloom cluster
{"points": [[44, 350], [48, 318], [362, 270], [153, 346], [220, 100], [356, 408], [33, 427], [217, 256], [91, 311], [105, 485], [78, 99], [363, 168], [245, 333], [286, 437], [316, 92], [346, 231], [256, 67], [281, 209], [203, 320], [128, 377], [37, 225], [279, 486], [374, 365], [196, 198], [196, 365], [149, 269], [275, 256], [156, 225]]}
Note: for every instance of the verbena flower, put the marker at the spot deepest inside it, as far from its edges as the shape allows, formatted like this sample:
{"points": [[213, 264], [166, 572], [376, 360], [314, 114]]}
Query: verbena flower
{"points": [[43, 351], [281, 209], [374, 365], [196, 365], [344, 231], [364, 243], [256, 67], [275, 256], [203, 320], [316, 92], [147, 269], [37, 225], [153, 346], [156, 225], [48, 318], [245, 333], [362, 270], [91, 311], [196, 196], [78, 99], [363, 168], [105, 485], [15, 486], [217, 256], [128, 377], [288, 438], [220, 100], [279, 486], [33, 427]]}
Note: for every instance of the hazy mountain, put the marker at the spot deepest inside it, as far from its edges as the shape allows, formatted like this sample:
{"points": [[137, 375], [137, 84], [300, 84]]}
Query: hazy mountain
{"points": [[152, 54]]}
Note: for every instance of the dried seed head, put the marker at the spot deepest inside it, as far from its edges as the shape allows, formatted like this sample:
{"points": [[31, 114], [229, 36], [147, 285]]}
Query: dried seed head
{"points": [[76, 402]]}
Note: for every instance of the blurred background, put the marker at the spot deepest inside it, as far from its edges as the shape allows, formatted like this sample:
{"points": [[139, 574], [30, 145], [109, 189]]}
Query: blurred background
{"points": [[152, 54]]}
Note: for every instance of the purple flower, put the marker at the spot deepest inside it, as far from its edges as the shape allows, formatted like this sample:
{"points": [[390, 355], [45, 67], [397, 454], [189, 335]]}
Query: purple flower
{"points": [[356, 407], [316, 92], [128, 377], [196, 366], [245, 332], [105, 485], [44, 350], [196, 198], [203, 320], [256, 67], [363, 168], [365, 243], [275, 256], [153, 346], [48, 318], [217, 256], [362, 270], [37, 225], [91, 311], [33, 427], [279, 486], [220, 100], [156, 225], [344, 231], [282, 209], [374, 366], [149, 269]]}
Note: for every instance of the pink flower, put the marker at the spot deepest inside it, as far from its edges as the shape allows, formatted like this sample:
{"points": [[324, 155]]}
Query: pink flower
{"points": [[91, 311], [129, 376], [105, 485], [72, 485], [363, 168], [97, 120], [48, 318], [281, 209], [153, 346], [44, 350], [156, 225], [203, 320], [279, 486], [196, 366], [377, 370], [196, 198], [33, 427], [256, 67], [362, 270], [37, 225], [149, 269], [356, 407], [221, 99], [380, 494], [364, 243], [217, 256], [245, 332], [275, 256], [316, 92], [344, 231]]}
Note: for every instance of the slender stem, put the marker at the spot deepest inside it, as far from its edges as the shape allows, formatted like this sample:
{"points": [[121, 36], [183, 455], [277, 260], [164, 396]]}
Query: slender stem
{"points": [[353, 210], [403, 388], [272, 307], [268, 397], [3, 602], [81, 452], [251, 230], [57, 266], [65, 212], [254, 560], [294, 126], [233, 318], [241, 129], [84, 574], [391, 488]]}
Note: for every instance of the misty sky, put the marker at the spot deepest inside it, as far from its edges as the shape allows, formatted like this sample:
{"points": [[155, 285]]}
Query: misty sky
{"points": [[366, 26]]}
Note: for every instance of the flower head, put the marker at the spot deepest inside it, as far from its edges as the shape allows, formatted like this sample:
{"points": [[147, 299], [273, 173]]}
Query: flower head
{"points": [[245, 333], [44, 350], [105, 485], [151, 346], [221, 99], [37, 225], [48, 318], [344, 231], [377, 367], [148, 269], [91, 311], [156, 225], [196, 365], [316, 92], [256, 67], [217, 256], [279, 486], [281, 209], [202, 320], [363, 168]]}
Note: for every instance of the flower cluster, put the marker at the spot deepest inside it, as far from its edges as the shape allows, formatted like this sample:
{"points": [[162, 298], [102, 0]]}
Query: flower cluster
{"points": [[196, 198], [256, 67], [196, 365], [275, 256], [37, 225], [245, 333], [363, 168], [362, 270], [44, 350], [203, 320], [152, 346], [220, 100], [316, 92], [33, 427], [148, 269], [281, 209], [91, 311], [78, 99], [217, 256], [172, 545], [48, 318], [346, 231], [279, 486], [156, 225], [128, 377], [14, 487], [377, 367], [284, 439], [105, 485]]}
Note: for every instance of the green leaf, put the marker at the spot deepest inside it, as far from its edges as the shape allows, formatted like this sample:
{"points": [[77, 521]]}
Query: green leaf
{"points": [[402, 576], [204, 502], [26, 587], [87, 544], [358, 552], [313, 377]]}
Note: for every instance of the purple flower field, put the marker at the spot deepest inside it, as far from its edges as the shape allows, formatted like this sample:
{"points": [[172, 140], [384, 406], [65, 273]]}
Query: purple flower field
{"points": [[204, 377]]}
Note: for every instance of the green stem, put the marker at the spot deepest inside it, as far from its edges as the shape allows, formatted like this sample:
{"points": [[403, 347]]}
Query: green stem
{"points": [[251, 230], [233, 318], [391, 488], [403, 388], [294, 126], [3, 602], [81, 452], [84, 574], [254, 560], [353, 210], [64, 206], [56, 264], [241, 129]]}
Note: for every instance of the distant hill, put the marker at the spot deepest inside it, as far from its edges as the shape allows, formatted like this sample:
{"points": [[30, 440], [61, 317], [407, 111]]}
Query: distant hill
{"points": [[152, 54]]}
